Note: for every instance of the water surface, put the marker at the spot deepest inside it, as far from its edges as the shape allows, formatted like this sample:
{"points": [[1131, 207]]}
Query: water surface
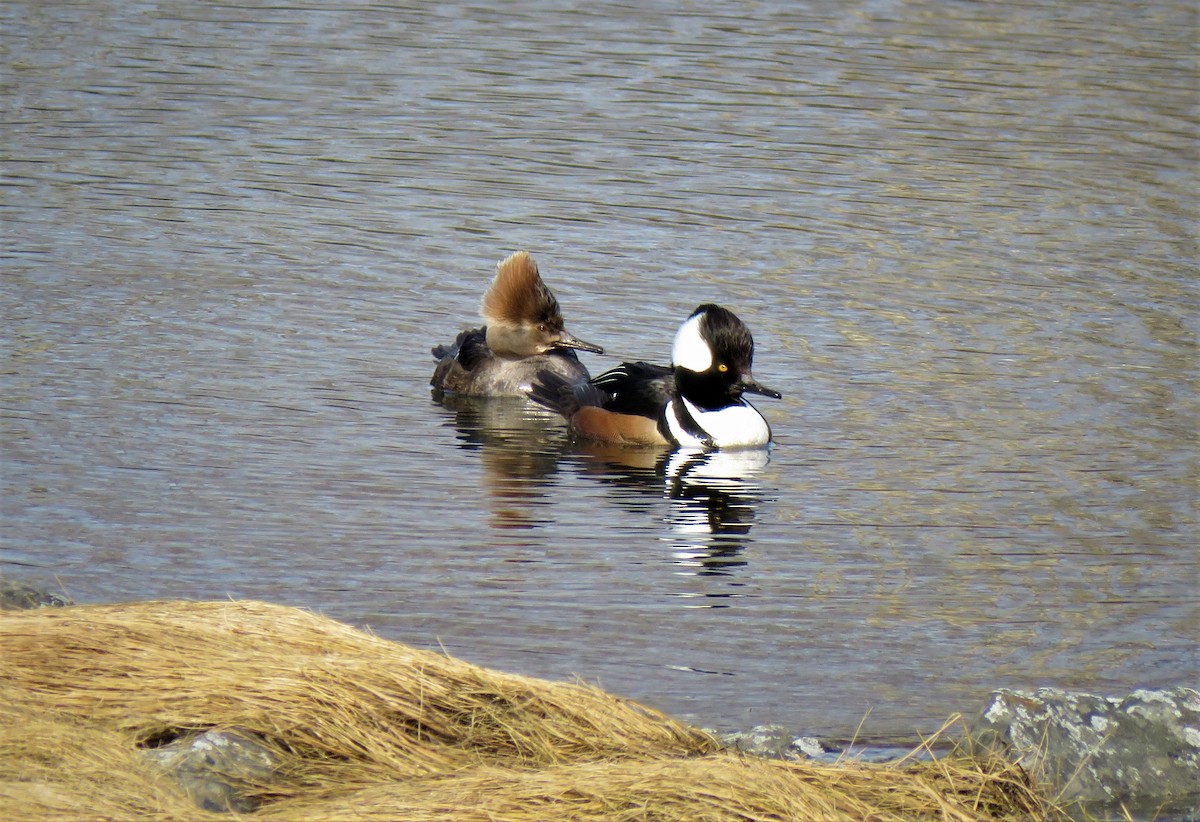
{"points": [[963, 236]]}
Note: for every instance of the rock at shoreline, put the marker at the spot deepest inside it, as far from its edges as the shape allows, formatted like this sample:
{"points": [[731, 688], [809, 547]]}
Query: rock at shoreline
{"points": [[1093, 749], [18, 596], [778, 742], [216, 767], [771, 741]]}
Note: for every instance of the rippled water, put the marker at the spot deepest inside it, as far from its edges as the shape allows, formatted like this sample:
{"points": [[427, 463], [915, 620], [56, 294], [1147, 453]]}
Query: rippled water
{"points": [[963, 235]]}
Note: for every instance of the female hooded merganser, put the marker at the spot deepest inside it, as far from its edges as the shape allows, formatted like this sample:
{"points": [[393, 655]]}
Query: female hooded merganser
{"points": [[524, 335], [697, 403]]}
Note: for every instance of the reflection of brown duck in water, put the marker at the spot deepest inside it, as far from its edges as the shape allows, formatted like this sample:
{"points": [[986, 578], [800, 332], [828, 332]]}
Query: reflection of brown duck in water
{"points": [[696, 403], [524, 334], [518, 445]]}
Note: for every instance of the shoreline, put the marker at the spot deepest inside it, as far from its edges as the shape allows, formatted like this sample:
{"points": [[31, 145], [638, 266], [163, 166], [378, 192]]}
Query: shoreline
{"points": [[1150, 766]]}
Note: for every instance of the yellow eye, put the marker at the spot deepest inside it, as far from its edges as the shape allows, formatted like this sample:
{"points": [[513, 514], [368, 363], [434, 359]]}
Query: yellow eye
{"points": [[722, 367]]}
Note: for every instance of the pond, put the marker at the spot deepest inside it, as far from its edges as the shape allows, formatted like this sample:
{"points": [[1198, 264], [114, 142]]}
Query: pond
{"points": [[963, 236]]}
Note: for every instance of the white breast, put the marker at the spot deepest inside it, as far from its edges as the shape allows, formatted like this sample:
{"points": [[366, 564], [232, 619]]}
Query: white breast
{"points": [[736, 426]]}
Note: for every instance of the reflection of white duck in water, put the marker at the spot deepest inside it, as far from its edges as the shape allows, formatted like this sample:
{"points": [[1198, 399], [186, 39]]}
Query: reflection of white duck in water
{"points": [[712, 497], [696, 403]]}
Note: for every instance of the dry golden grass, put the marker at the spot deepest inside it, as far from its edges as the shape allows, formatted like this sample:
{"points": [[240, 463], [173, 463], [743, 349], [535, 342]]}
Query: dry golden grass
{"points": [[371, 729], [722, 787], [55, 767]]}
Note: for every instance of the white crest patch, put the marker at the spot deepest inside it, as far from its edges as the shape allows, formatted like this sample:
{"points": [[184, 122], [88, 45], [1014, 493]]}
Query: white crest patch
{"points": [[690, 351]]}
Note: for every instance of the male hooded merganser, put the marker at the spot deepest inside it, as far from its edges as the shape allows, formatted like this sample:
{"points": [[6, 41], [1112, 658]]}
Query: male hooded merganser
{"points": [[697, 403], [524, 334]]}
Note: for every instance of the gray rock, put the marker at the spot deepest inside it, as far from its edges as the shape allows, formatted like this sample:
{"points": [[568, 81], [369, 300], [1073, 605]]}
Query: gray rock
{"points": [[17, 596], [812, 747], [1092, 749], [216, 767], [777, 742], [772, 741]]}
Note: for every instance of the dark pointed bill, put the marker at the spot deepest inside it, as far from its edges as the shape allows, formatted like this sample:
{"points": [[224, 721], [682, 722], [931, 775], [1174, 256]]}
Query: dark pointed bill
{"points": [[565, 340], [754, 388]]}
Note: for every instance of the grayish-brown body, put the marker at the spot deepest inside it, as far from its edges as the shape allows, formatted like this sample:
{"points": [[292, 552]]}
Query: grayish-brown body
{"points": [[524, 334]]}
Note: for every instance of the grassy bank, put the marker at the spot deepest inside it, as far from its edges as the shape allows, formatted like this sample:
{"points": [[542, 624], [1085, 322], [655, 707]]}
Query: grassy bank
{"points": [[363, 728]]}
